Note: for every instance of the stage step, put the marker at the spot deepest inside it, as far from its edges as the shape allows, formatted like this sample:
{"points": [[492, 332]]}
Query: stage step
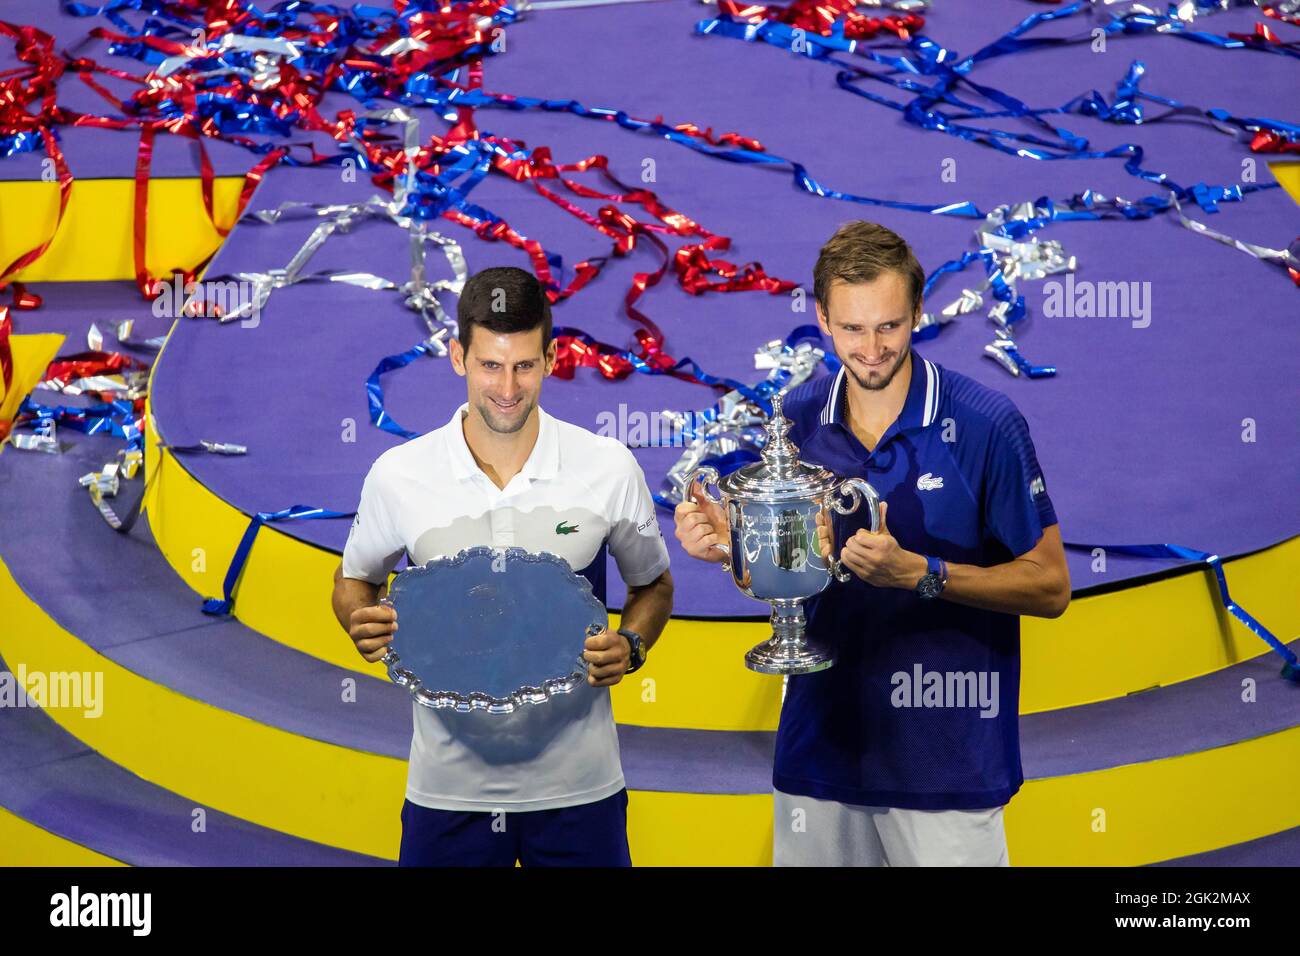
{"points": [[54, 782]]}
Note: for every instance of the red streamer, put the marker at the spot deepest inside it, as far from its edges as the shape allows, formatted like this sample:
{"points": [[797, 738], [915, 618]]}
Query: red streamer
{"points": [[818, 16]]}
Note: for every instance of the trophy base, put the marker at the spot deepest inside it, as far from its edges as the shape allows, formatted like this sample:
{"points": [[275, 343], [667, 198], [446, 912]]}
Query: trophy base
{"points": [[788, 650], [774, 657]]}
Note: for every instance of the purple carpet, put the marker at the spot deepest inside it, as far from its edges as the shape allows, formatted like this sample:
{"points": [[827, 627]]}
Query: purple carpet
{"points": [[1276, 849]]}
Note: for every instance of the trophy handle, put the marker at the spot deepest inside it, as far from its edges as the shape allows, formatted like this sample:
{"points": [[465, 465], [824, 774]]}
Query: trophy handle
{"points": [[708, 475], [857, 491]]}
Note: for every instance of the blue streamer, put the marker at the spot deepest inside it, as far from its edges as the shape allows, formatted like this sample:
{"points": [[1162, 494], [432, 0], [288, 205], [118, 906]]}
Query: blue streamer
{"points": [[801, 178], [375, 392], [930, 59], [1026, 368], [117, 418], [226, 603]]}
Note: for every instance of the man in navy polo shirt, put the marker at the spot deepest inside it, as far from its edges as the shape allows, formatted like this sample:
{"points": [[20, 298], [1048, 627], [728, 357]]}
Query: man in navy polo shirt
{"points": [[906, 751]]}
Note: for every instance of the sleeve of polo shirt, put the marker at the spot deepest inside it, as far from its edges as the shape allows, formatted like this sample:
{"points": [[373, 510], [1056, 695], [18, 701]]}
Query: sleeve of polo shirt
{"points": [[1016, 505], [373, 547], [635, 540]]}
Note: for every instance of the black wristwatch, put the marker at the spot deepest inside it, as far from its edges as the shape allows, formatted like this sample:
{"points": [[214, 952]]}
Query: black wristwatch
{"points": [[638, 648], [931, 585]]}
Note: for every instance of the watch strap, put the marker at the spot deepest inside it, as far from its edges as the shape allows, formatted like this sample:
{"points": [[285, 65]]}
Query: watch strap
{"points": [[934, 580], [637, 646]]}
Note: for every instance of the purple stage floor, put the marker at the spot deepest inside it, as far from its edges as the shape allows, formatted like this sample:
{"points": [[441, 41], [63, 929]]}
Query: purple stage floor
{"points": [[1139, 434]]}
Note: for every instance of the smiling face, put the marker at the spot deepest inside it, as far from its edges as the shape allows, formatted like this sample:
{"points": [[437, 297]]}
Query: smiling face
{"points": [[503, 373], [870, 325]]}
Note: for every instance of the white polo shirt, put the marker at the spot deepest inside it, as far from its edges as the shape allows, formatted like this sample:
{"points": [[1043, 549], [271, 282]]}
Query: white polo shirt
{"points": [[576, 493]]}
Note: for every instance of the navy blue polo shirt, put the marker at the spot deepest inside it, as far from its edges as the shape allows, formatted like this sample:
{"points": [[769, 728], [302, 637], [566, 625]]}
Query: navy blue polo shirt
{"points": [[920, 710]]}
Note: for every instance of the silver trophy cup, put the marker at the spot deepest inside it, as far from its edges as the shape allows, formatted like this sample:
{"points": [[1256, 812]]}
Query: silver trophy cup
{"points": [[774, 555]]}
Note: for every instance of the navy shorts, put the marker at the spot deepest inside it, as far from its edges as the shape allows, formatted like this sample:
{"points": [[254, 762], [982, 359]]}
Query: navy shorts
{"points": [[591, 834]]}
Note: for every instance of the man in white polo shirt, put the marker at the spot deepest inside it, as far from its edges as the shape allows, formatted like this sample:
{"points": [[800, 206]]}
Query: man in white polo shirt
{"points": [[544, 785]]}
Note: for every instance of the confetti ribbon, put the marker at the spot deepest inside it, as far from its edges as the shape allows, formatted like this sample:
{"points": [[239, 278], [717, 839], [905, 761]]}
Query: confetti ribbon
{"points": [[1010, 253], [930, 59], [207, 94], [736, 149], [6, 361], [21, 131], [825, 18], [379, 416], [121, 418], [730, 434], [226, 603]]}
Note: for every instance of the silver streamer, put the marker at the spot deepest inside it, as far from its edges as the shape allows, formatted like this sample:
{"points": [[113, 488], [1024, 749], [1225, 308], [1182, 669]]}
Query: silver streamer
{"points": [[95, 338], [223, 448], [123, 332], [1029, 259], [403, 45], [1286, 258], [44, 439], [739, 423], [107, 483], [1000, 351], [419, 293], [130, 385], [1187, 11], [268, 51]]}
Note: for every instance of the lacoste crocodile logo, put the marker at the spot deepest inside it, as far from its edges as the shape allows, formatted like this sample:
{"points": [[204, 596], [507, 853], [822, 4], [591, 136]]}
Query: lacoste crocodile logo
{"points": [[565, 528]]}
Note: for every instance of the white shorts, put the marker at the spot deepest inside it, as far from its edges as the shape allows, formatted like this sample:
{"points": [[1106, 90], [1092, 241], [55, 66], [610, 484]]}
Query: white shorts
{"points": [[811, 832]]}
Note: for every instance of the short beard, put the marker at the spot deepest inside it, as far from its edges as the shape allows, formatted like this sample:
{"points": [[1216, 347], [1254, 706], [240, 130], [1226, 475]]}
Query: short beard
{"points": [[884, 383], [488, 412]]}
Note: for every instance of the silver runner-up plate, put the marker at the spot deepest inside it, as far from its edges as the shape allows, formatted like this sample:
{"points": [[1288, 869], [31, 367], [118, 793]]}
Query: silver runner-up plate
{"points": [[491, 629]]}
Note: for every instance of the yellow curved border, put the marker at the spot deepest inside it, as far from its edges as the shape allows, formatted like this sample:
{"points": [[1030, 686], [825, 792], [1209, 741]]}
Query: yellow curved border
{"points": [[1104, 646], [218, 759], [1161, 810], [25, 844], [1288, 175], [95, 241], [346, 798], [31, 356]]}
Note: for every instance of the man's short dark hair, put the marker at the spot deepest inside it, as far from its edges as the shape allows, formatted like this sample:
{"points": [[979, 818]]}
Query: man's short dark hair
{"points": [[860, 252], [504, 300]]}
